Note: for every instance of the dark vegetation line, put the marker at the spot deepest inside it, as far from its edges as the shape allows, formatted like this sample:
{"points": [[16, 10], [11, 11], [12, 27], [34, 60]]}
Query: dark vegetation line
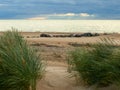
{"points": [[70, 35]]}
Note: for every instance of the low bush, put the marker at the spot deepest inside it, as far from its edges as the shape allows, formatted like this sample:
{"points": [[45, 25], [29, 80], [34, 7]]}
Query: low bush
{"points": [[20, 66], [98, 65]]}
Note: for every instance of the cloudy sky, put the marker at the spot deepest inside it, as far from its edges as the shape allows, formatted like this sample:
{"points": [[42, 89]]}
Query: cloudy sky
{"points": [[59, 9]]}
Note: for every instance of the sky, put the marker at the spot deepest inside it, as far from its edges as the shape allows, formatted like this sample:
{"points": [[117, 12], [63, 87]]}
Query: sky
{"points": [[60, 9]]}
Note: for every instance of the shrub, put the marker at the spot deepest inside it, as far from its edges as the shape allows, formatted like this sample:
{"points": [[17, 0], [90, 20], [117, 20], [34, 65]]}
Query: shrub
{"points": [[20, 66], [98, 65]]}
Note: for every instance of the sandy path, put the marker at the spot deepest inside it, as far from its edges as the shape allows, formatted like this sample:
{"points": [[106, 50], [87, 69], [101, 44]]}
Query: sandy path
{"points": [[57, 78]]}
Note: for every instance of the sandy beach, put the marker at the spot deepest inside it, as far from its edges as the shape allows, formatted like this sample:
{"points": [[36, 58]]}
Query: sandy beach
{"points": [[53, 51], [73, 44]]}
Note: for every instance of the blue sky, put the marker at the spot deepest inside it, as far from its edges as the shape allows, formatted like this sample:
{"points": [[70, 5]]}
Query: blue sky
{"points": [[59, 9]]}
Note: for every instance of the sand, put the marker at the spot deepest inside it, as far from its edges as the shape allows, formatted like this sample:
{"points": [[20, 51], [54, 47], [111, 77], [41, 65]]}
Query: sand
{"points": [[54, 51], [65, 41], [57, 78]]}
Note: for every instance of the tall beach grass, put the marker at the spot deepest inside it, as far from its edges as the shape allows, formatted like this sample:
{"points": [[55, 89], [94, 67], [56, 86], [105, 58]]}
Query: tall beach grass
{"points": [[20, 66], [98, 65]]}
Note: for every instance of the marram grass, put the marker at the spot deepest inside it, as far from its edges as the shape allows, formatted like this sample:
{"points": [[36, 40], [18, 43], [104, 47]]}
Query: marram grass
{"points": [[20, 66], [98, 65]]}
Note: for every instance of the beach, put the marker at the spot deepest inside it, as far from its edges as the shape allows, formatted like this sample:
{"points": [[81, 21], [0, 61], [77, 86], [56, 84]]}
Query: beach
{"points": [[60, 45], [54, 50]]}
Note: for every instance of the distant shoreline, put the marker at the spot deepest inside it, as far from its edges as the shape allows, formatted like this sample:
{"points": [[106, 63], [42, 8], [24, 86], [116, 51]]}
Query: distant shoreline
{"points": [[65, 26]]}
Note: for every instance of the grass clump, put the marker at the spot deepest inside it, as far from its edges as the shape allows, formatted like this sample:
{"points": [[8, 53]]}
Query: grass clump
{"points": [[20, 66], [98, 65]]}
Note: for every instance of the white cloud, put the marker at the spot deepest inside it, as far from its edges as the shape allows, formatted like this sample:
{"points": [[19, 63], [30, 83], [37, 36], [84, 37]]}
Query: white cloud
{"points": [[70, 14], [63, 15], [86, 15], [73, 14], [37, 18], [66, 14]]}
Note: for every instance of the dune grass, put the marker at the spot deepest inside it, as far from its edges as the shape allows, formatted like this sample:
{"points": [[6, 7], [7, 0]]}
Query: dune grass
{"points": [[98, 65], [20, 66]]}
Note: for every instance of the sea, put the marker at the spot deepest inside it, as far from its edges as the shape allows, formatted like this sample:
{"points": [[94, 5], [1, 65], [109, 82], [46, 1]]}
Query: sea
{"points": [[97, 26]]}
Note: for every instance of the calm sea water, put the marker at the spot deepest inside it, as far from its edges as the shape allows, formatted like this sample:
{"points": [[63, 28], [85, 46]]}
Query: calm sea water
{"points": [[99, 26]]}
